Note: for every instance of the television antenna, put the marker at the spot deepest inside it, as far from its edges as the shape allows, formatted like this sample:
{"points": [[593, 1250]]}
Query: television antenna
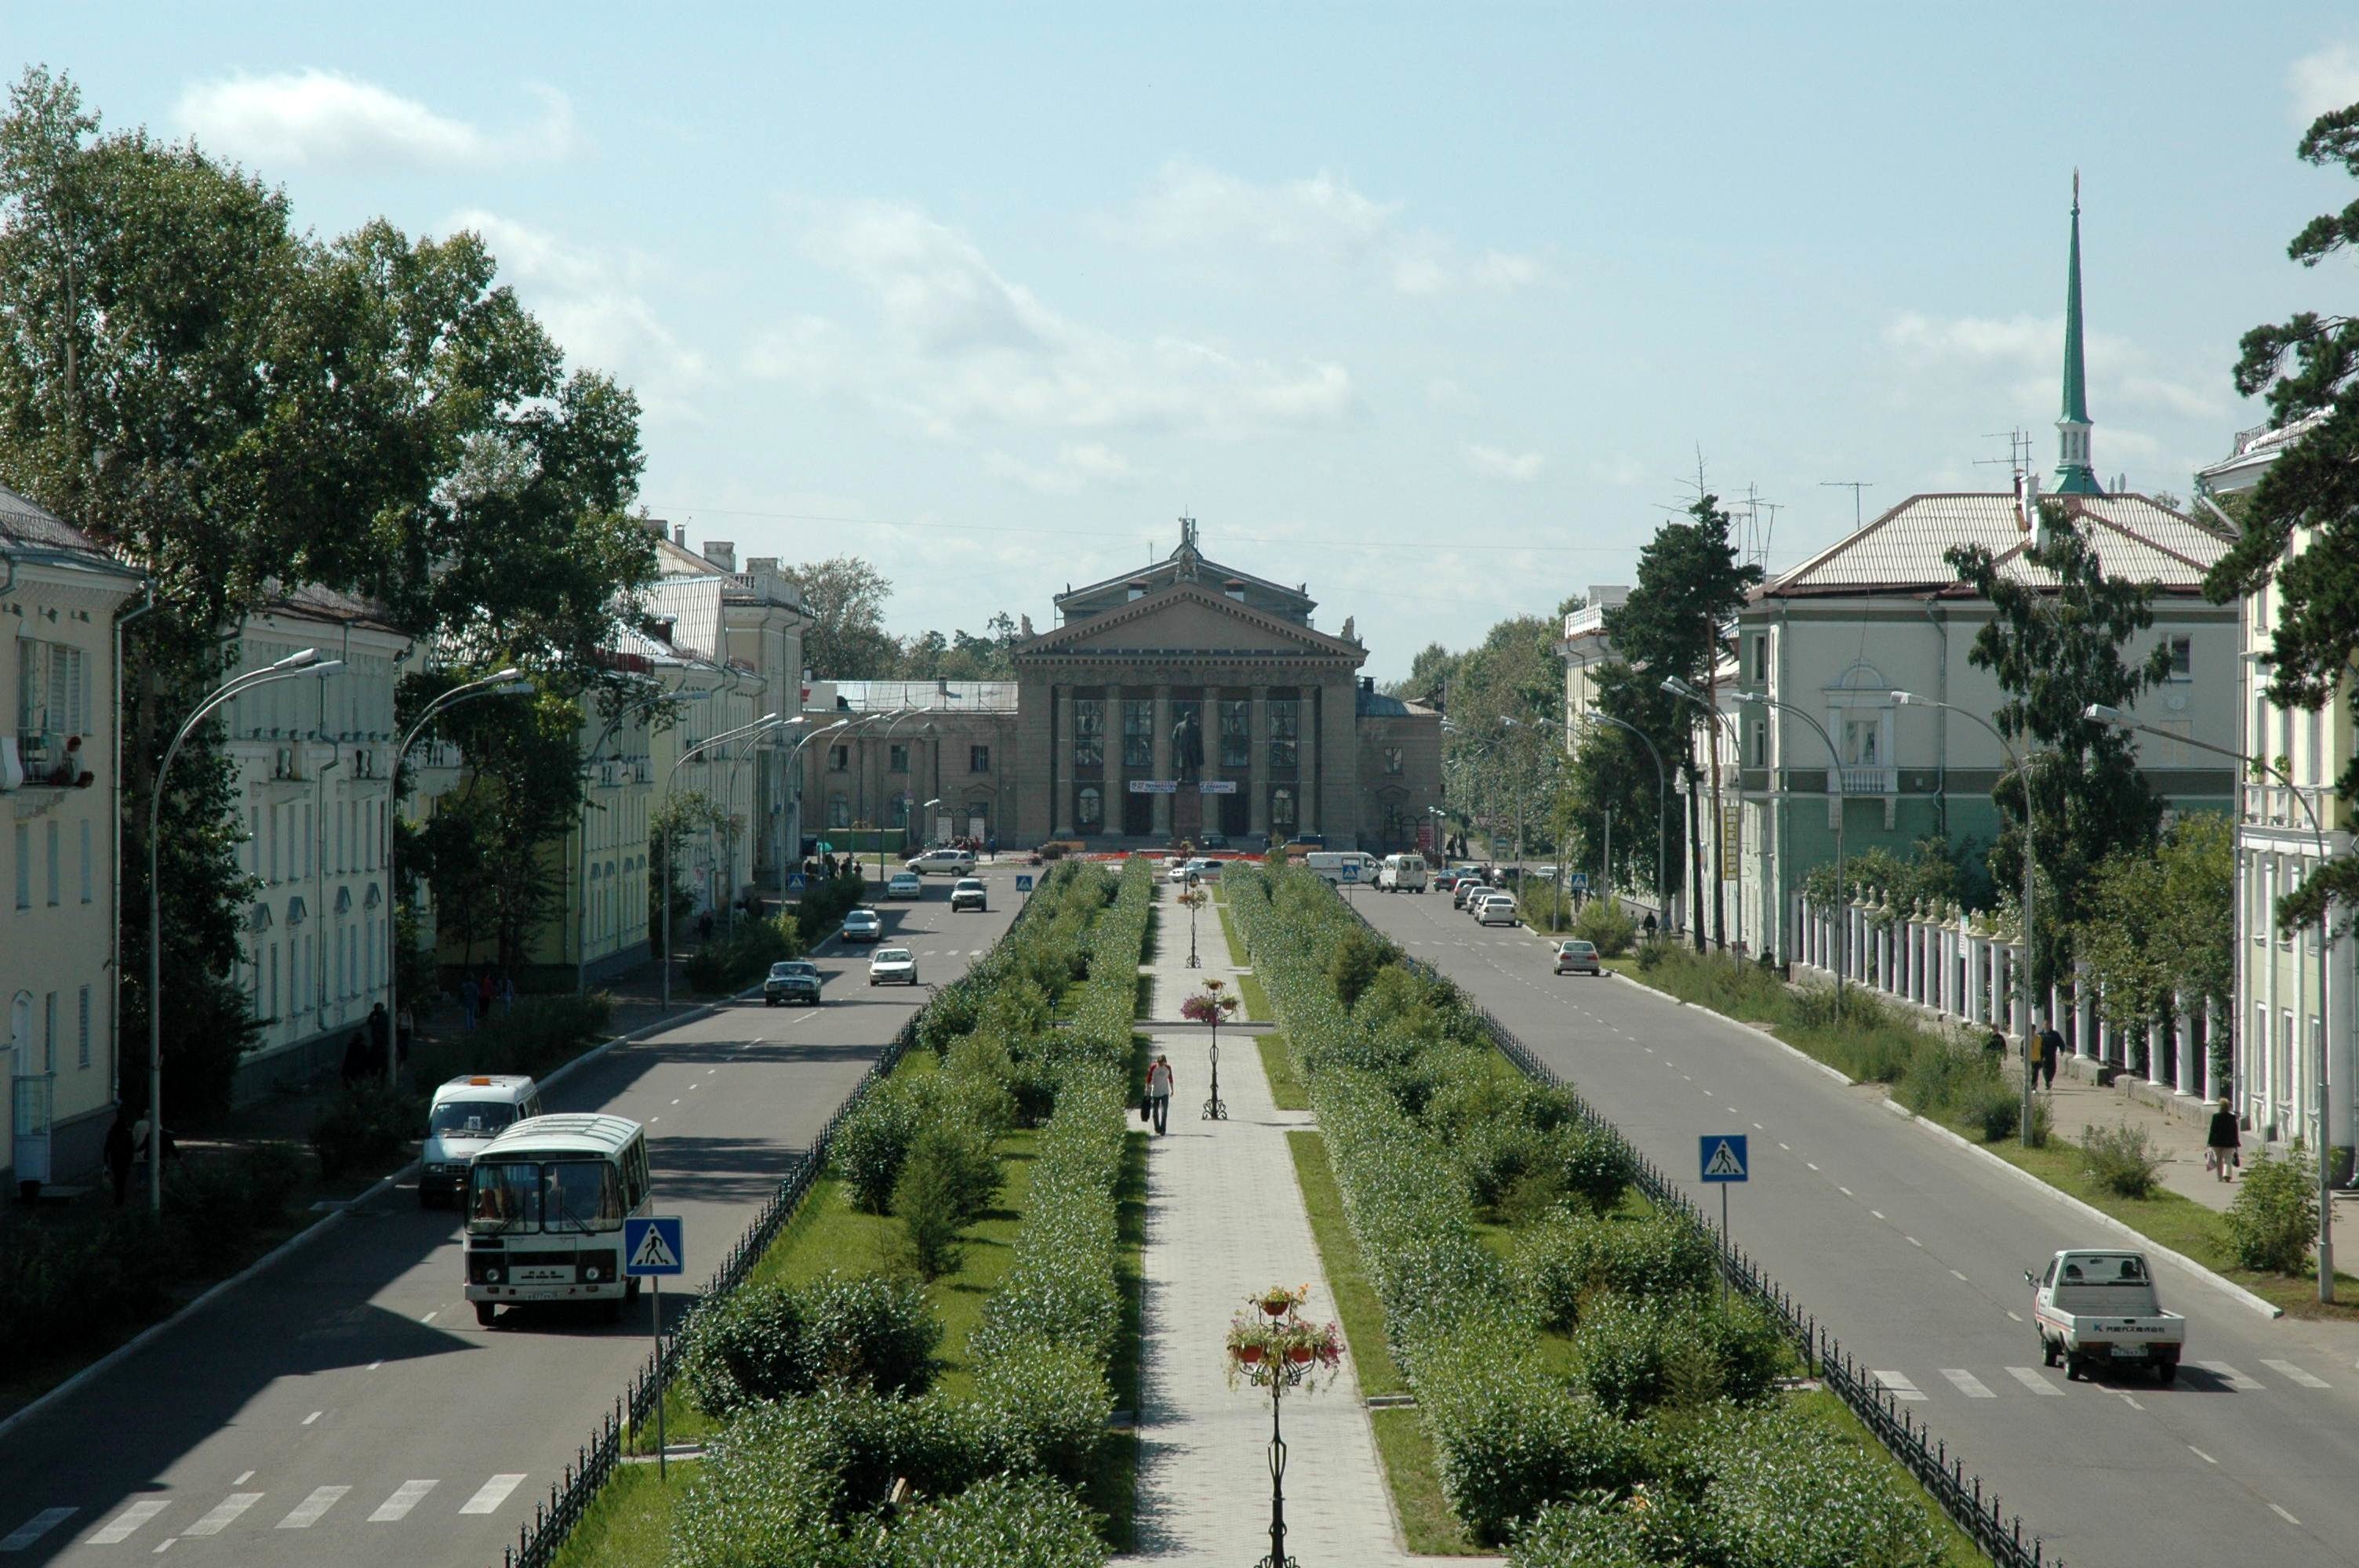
{"points": [[2018, 451], [1854, 486]]}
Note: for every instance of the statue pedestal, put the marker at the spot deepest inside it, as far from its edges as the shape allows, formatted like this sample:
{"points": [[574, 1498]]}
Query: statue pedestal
{"points": [[1188, 814]]}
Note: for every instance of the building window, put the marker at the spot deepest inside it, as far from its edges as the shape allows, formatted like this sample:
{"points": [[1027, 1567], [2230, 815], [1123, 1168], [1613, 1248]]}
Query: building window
{"points": [[24, 866], [838, 810], [52, 693], [1863, 741], [1090, 807], [838, 759], [1760, 744], [901, 804], [978, 759], [1281, 810], [1761, 656], [1396, 760], [896, 757], [1089, 733], [86, 861], [82, 1029], [1137, 733], [1282, 736], [2182, 658], [51, 838], [1396, 825], [1237, 735]]}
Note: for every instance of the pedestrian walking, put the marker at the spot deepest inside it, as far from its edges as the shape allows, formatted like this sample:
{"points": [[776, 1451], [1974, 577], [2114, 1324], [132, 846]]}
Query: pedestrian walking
{"points": [[507, 992], [467, 1003], [484, 991], [357, 1058], [2051, 1053], [119, 1152], [1158, 1094], [1995, 1044], [2221, 1144], [380, 1031]]}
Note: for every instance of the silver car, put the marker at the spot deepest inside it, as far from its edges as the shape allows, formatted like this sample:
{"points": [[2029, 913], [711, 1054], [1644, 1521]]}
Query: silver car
{"points": [[893, 966]]}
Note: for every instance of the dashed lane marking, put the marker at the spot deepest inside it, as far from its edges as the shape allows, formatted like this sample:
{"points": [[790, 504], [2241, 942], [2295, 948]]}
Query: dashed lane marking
{"points": [[1959, 1278], [307, 1513], [2201, 1455], [2285, 1516], [1966, 1383], [491, 1493], [2288, 1369], [312, 1417]]}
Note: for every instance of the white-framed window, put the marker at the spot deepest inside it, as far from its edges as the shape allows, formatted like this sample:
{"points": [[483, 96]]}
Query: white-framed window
{"points": [[2182, 658]]}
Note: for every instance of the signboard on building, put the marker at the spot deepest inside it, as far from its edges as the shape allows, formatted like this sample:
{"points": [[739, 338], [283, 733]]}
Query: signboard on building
{"points": [[1155, 786], [1217, 786], [1732, 841]]}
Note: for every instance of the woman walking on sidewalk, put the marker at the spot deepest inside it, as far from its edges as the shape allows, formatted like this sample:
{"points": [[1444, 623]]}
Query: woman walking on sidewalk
{"points": [[1158, 1094], [2220, 1143]]}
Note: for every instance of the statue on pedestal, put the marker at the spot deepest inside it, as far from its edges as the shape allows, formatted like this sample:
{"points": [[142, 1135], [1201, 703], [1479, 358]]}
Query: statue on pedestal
{"points": [[1187, 749]]}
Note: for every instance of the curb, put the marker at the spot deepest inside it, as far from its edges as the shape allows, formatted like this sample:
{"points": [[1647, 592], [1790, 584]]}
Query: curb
{"points": [[2228, 1287], [319, 1228]]}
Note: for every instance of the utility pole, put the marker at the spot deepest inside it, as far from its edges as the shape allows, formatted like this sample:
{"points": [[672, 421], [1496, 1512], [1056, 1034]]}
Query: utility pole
{"points": [[1711, 727]]}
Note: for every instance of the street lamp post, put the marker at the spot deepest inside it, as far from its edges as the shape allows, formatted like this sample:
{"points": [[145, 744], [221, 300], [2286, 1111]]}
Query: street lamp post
{"points": [[670, 778], [306, 662], [795, 766], [890, 724], [582, 942], [1679, 688], [1662, 809], [2022, 765], [2103, 714], [743, 748]]}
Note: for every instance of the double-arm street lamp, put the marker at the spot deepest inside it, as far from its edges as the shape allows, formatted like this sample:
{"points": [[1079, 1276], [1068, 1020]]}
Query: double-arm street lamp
{"points": [[2103, 714], [305, 663], [795, 766], [1662, 811], [509, 682], [766, 720], [2022, 765]]}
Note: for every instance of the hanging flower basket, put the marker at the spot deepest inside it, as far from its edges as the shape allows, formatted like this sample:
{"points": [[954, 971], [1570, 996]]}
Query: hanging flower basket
{"points": [[1272, 1344], [1249, 1353]]}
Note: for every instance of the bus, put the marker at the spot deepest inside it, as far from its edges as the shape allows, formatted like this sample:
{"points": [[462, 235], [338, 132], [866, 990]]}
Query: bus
{"points": [[546, 1202]]}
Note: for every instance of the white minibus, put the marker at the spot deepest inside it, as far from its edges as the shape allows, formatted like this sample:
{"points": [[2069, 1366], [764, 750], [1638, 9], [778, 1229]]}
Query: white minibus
{"points": [[1330, 864], [546, 1202], [1402, 873]]}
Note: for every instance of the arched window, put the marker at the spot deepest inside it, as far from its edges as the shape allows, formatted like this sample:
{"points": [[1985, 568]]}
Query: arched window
{"points": [[1281, 810], [1092, 807]]}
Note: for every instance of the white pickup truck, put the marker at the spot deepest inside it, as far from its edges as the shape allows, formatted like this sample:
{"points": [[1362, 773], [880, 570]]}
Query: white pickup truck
{"points": [[2096, 1308]]}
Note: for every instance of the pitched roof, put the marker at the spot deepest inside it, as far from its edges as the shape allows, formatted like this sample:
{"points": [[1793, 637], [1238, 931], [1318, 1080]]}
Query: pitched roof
{"points": [[27, 522], [1367, 704], [1901, 551], [693, 604]]}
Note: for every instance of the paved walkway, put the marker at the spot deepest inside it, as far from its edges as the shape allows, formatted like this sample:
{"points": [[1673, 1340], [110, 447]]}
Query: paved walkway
{"points": [[1225, 1220]]}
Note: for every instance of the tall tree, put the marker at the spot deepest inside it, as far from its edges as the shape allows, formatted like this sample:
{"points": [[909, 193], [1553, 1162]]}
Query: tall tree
{"points": [[847, 639], [2163, 925], [2054, 652], [2310, 494]]}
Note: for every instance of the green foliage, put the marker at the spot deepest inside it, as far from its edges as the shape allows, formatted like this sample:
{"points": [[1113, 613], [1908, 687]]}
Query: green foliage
{"points": [[1933, 876], [1605, 923], [1685, 1349], [1001, 1522], [1510, 1442], [946, 1183], [538, 1034], [365, 1128], [744, 953], [2273, 1218], [2122, 1159], [2163, 925], [762, 1343], [1359, 958], [1570, 1259], [871, 1144]]}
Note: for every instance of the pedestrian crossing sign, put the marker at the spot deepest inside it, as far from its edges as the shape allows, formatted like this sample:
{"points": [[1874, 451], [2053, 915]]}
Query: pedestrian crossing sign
{"points": [[1723, 1157], [654, 1245], [794, 882]]}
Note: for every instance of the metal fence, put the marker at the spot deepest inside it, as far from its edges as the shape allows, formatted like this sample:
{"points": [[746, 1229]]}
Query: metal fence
{"points": [[538, 1544], [1974, 1507]]}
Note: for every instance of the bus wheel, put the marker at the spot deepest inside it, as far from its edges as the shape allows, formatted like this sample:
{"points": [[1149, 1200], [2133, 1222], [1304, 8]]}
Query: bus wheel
{"points": [[483, 1310]]}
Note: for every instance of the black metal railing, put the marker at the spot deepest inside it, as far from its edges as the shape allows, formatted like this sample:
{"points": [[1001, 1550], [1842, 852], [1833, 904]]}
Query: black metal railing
{"points": [[1974, 1507]]}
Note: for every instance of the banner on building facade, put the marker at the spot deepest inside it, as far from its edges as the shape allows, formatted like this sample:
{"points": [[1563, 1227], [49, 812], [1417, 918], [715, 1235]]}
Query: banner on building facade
{"points": [[1155, 786], [1217, 786]]}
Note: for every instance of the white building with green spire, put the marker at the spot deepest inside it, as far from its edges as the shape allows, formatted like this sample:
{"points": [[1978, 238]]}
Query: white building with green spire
{"points": [[2073, 474]]}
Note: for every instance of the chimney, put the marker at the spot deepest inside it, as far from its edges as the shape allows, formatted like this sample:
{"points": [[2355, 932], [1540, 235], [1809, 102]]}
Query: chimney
{"points": [[1368, 683], [762, 564], [722, 553], [679, 534], [658, 526]]}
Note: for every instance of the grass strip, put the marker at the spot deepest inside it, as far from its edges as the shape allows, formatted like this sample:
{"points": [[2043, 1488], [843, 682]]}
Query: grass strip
{"points": [[1238, 958], [628, 1523], [1257, 999], [1286, 1089]]}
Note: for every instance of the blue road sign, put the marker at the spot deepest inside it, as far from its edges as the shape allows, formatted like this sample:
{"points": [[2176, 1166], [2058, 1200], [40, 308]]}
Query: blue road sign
{"points": [[653, 1246], [1351, 869], [1023, 881], [795, 882], [1723, 1157], [1581, 881]]}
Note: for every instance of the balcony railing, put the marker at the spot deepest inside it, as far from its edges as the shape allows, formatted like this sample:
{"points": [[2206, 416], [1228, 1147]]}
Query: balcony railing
{"points": [[1590, 618], [1871, 780]]}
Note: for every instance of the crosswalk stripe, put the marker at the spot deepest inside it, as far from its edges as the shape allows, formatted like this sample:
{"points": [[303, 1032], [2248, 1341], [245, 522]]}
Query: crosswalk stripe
{"points": [[307, 1512], [405, 1498], [2288, 1369], [118, 1530], [2237, 1383], [1902, 1386], [2030, 1378], [1973, 1388], [224, 1511], [33, 1529], [491, 1494]]}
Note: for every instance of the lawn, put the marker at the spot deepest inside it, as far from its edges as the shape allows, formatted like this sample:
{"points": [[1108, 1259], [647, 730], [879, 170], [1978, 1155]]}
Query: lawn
{"points": [[1286, 1089], [1958, 1549], [1238, 958], [628, 1523]]}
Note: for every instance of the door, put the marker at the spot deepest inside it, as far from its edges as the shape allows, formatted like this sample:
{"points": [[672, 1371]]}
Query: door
{"points": [[978, 826], [1137, 816]]}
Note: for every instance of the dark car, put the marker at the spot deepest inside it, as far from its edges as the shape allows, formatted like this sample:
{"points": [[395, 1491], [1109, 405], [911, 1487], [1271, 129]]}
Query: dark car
{"points": [[793, 980]]}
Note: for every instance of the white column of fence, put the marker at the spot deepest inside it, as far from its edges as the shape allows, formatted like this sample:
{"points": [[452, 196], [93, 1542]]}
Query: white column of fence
{"points": [[2084, 1041]]}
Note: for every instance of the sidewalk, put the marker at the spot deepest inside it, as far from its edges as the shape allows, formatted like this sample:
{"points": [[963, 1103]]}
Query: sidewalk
{"points": [[1225, 1220]]}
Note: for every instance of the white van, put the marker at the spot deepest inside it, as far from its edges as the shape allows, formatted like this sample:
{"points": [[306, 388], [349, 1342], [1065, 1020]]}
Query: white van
{"points": [[1331, 864], [546, 1202], [467, 1113], [1402, 873]]}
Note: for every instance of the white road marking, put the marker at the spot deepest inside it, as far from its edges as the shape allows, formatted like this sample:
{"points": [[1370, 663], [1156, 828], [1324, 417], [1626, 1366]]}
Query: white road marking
{"points": [[1787, 1151], [405, 1498], [118, 1530], [224, 1511], [2288, 1369], [307, 1513], [2283, 1515], [1955, 1275], [375, 1365], [2030, 1378], [1808, 1162], [33, 1529], [2201, 1455], [430, 1316], [2012, 1314], [1875, 1213], [165, 1545], [242, 1478], [1912, 1241], [1844, 1190], [1901, 1384], [2237, 1380], [675, 1102], [491, 1493], [1973, 1388], [2132, 1404], [312, 1417], [1758, 1127]]}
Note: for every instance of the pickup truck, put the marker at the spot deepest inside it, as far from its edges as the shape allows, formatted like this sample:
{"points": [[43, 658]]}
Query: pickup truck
{"points": [[2097, 1308]]}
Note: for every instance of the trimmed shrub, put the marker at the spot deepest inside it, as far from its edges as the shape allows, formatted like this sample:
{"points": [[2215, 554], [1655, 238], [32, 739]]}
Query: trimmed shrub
{"points": [[1595, 1164], [2121, 1159], [1043, 1410], [1562, 1262], [947, 1181], [1358, 958], [1511, 1439], [1782, 1491], [1992, 1107], [749, 1348], [1605, 924], [1686, 1351], [2273, 1218], [870, 1330], [365, 1130], [760, 1497], [871, 1144], [1001, 1522]]}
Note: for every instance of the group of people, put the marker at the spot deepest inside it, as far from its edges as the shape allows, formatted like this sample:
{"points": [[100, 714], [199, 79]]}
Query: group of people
{"points": [[2044, 1054], [477, 996], [364, 1051]]}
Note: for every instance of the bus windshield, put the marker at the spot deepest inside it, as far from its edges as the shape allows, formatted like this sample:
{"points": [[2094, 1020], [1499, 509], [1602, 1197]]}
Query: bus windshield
{"points": [[581, 1194], [470, 1118], [508, 1197], [503, 1196]]}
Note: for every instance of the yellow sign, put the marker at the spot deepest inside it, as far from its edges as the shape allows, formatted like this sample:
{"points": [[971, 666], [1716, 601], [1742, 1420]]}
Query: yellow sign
{"points": [[1732, 841]]}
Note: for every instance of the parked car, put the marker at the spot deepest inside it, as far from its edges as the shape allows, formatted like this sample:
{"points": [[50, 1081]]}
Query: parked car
{"points": [[1468, 884], [1175, 869], [970, 894], [1497, 910], [1544, 873], [893, 966], [905, 884], [1212, 841], [959, 862], [795, 979], [1402, 873], [1578, 958], [1482, 895], [1203, 869], [862, 926], [2099, 1308]]}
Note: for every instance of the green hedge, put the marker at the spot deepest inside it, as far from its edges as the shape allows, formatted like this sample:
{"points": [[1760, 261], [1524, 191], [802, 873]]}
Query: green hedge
{"points": [[1553, 1388]]}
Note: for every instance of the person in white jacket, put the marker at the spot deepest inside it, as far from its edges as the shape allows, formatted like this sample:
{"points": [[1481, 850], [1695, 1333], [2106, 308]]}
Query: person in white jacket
{"points": [[1158, 1094]]}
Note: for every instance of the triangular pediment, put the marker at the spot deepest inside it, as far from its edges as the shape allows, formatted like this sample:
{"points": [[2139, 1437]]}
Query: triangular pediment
{"points": [[1187, 617]]}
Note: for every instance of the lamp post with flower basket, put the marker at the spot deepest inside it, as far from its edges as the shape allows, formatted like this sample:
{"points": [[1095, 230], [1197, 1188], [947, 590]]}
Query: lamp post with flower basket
{"points": [[1210, 1006], [1272, 1346], [1193, 897]]}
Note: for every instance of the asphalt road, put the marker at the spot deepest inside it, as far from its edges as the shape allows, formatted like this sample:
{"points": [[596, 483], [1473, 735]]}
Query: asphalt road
{"points": [[343, 1407], [1911, 1251]]}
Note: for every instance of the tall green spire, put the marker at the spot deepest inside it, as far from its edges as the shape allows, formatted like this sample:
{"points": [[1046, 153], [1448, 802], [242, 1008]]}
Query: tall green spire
{"points": [[2073, 474]]}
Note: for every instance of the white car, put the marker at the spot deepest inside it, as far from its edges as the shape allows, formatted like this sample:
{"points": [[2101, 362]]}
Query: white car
{"points": [[970, 893], [1499, 911], [1204, 869], [905, 884], [1175, 871], [862, 926], [893, 966], [960, 862]]}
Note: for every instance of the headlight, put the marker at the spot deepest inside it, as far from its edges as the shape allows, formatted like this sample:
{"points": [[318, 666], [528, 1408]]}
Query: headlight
{"points": [[492, 1275], [590, 1273]]}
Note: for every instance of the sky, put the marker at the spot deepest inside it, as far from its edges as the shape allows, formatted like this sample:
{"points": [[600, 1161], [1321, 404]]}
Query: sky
{"points": [[1436, 310]]}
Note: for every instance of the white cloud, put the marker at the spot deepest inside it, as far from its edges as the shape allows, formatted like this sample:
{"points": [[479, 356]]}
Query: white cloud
{"points": [[1075, 467], [2322, 83], [1188, 207], [2029, 350], [312, 116], [1496, 462], [959, 344]]}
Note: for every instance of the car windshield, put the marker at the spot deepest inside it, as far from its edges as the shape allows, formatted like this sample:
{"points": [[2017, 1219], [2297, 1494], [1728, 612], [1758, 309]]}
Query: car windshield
{"points": [[893, 955], [1580, 949], [860, 917], [791, 971], [470, 1117], [969, 885]]}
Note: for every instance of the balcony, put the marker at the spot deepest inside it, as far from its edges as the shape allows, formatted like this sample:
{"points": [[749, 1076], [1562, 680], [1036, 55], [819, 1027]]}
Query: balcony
{"points": [[1871, 780], [1591, 618]]}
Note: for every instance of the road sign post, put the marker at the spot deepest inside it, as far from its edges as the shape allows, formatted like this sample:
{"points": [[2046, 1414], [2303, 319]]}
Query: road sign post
{"points": [[1725, 1163], [1024, 883], [653, 1246]]}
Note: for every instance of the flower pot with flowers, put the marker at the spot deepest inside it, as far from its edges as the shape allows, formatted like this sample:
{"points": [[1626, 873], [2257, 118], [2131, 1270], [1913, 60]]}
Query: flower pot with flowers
{"points": [[1209, 1006], [1272, 1346]]}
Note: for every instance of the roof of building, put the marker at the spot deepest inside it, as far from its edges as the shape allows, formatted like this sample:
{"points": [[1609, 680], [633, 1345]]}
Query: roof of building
{"points": [[692, 605], [27, 522], [1367, 704], [2256, 450], [1901, 551], [950, 696], [1186, 563], [311, 601]]}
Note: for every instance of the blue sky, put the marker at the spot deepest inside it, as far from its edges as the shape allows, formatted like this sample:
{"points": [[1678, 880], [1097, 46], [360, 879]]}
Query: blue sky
{"points": [[1431, 308]]}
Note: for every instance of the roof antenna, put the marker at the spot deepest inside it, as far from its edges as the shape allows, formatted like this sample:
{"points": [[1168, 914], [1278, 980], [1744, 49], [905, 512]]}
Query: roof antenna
{"points": [[1854, 486]]}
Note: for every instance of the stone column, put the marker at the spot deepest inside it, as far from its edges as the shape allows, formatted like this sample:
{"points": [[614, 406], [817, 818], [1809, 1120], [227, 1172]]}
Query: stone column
{"points": [[1257, 768], [1310, 762], [2189, 1075], [1164, 769], [1339, 763], [1060, 751], [2083, 1043]]}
